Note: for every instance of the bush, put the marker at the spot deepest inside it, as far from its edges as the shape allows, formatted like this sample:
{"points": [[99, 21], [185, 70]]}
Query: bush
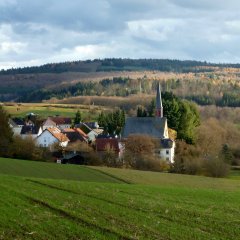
{"points": [[216, 167], [26, 149]]}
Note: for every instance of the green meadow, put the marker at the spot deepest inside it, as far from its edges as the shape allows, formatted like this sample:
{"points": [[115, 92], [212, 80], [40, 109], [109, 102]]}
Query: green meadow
{"points": [[45, 110], [76, 202]]}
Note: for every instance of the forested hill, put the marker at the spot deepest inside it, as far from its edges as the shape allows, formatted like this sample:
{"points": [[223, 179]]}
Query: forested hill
{"points": [[118, 64]]}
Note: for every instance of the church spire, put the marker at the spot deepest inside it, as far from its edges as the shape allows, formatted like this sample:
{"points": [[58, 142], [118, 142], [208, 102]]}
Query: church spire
{"points": [[159, 107]]}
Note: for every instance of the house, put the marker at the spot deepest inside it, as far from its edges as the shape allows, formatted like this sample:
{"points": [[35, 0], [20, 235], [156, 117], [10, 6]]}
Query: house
{"points": [[30, 130], [18, 121], [52, 136], [15, 127], [75, 134], [88, 131], [49, 123], [101, 145], [60, 122], [155, 127]]}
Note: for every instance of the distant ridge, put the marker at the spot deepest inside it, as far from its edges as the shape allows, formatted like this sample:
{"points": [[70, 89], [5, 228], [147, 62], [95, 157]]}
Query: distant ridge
{"points": [[120, 64]]}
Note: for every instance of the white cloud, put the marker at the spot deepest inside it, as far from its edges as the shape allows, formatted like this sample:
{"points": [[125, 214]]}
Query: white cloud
{"points": [[41, 31]]}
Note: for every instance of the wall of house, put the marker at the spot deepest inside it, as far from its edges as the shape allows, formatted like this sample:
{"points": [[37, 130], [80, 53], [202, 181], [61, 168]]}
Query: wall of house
{"points": [[92, 136], [16, 130], [167, 154], [63, 126], [46, 139]]}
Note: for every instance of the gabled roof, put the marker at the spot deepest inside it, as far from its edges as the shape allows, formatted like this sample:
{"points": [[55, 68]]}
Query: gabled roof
{"points": [[75, 134], [102, 143], [61, 120], [58, 134], [30, 129], [49, 122], [151, 126], [85, 128], [12, 123], [92, 124], [18, 121]]}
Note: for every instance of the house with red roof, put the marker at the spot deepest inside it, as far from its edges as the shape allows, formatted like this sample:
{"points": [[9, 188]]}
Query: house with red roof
{"points": [[52, 136]]}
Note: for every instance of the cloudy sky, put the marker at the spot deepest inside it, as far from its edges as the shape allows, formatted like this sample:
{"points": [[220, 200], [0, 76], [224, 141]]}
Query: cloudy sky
{"points": [[34, 32]]}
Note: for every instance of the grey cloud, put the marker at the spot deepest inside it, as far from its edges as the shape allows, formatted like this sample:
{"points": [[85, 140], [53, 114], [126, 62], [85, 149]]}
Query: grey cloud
{"points": [[40, 31]]}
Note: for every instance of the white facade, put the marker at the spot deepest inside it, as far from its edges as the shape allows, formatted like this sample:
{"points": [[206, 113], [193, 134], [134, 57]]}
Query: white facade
{"points": [[46, 139], [168, 153]]}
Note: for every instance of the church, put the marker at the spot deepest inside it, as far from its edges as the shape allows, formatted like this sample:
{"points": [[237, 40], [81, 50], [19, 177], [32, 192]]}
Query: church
{"points": [[155, 127]]}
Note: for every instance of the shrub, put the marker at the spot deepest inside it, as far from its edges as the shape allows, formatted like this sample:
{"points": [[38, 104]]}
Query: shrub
{"points": [[216, 167]]}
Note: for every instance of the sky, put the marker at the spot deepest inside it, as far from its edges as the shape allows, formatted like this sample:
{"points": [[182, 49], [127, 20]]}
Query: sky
{"points": [[35, 32]]}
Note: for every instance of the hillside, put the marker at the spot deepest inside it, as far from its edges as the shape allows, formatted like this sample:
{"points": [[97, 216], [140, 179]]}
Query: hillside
{"points": [[204, 83], [163, 206], [54, 171]]}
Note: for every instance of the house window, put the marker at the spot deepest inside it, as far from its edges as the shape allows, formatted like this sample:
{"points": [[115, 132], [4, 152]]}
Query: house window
{"points": [[167, 152]]}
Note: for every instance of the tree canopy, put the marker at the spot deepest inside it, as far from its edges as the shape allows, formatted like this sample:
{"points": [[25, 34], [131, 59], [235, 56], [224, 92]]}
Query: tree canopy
{"points": [[6, 132], [182, 115], [112, 122]]}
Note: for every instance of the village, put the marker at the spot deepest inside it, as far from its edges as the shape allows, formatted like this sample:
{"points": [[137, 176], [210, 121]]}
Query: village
{"points": [[70, 141]]}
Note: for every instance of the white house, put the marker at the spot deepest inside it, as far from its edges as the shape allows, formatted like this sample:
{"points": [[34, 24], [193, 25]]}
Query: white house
{"points": [[51, 136], [30, 131], [15, 128], [88, 131]]}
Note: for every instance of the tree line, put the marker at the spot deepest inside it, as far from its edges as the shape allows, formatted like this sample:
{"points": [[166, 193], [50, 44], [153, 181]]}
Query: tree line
{"points": [[111, 64]]}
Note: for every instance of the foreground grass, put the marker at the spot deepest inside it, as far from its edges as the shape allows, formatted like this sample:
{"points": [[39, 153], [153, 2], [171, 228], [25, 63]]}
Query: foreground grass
{"points": [[101, 206], [56, 209]]}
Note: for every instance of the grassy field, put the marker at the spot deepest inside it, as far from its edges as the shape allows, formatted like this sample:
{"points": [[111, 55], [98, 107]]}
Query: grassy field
{"points": [[50, 170], [45, 110], [163, 206]]}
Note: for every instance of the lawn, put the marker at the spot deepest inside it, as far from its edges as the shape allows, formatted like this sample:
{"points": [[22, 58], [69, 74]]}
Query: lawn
{"points": [[45, 110], [154, 206]]}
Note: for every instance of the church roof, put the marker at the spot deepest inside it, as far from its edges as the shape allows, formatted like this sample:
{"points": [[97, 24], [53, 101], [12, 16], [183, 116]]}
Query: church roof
{"points": [[145, 125], [158, 97]]}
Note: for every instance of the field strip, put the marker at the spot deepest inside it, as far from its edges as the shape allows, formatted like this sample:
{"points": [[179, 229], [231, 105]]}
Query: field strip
{"points": [[68, 215], [146, 231], [111, 175], [76, 219], [185, 213], [89, 196]]}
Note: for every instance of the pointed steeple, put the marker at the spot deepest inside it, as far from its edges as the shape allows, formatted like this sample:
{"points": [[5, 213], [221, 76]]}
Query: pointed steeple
{"points": [[159, 107]]}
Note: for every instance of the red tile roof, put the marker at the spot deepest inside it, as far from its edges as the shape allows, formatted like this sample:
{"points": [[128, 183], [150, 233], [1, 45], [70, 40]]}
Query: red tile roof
{"points": [[58, 135], [61, 120], [102, 143]]}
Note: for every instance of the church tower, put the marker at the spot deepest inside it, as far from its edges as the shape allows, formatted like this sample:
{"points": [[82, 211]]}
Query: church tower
{"points": [[159, 107]]}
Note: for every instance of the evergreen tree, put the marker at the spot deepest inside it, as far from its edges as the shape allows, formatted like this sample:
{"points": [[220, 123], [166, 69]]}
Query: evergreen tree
{"points": [[77, 118], [227, 154], [6, 133], [182, 116], [112, 122], [139, 112]]}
